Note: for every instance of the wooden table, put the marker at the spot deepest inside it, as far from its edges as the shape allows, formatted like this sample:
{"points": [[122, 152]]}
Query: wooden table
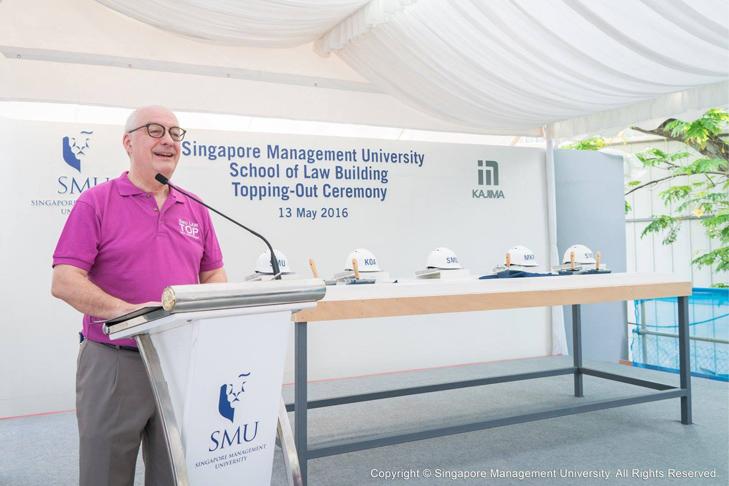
{"points": [[433, 297]]}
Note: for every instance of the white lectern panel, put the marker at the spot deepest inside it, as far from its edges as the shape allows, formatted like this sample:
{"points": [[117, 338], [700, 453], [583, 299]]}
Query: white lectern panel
{"points": [[225, 386]]}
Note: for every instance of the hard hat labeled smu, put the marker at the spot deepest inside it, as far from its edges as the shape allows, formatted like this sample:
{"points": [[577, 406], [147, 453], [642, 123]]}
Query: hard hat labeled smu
{"points": [[263, 264], [579, 254], [443, 258], [366, 261], [522, 256]]}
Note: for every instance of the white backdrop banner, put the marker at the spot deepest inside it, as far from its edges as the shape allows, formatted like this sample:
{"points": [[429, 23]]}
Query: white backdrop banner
{"points": [[313, 197]]}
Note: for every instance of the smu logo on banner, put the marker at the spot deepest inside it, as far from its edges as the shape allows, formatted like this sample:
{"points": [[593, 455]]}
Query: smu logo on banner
{"points": [[230, 407], [487, 174], [74, 150], [71, 155]]}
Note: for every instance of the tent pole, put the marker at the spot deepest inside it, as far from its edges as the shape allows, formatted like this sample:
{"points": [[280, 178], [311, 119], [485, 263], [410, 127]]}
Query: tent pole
{"points": [[559, 338]]}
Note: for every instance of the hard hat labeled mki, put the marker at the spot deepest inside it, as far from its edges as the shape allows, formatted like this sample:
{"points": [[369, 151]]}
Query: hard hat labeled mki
{"points": [[522, 256], [443, 258]]}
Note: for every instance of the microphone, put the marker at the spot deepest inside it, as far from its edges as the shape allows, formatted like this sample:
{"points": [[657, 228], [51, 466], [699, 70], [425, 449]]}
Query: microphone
{"points": [[274, 262]]}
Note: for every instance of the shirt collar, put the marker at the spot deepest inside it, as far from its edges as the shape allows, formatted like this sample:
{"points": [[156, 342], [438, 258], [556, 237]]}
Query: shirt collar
{"points": [[126, 188], [178, 196]]}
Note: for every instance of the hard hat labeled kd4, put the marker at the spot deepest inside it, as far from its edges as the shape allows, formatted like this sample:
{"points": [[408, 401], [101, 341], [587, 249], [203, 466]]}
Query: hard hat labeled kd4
{"points": [[366, 261]]}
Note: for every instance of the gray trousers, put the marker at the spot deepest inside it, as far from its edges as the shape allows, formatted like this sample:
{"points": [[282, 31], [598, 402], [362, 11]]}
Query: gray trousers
{"points": [[116, 411]]}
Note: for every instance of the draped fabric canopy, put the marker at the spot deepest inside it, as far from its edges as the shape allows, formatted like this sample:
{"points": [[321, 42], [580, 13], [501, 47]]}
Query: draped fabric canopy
{"points": [[495, 66], [255, 23], [521, 64]]}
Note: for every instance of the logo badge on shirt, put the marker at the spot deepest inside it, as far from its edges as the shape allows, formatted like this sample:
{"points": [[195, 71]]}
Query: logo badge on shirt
{"points": [[190, 229]]}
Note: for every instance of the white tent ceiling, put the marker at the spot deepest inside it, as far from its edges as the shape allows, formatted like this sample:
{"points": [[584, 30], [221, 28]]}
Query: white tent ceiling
{"points": [[497, 66]]}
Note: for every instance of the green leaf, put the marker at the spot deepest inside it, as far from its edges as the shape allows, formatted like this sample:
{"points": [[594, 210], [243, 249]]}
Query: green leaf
{"points": [[678, 156], [701, 166], [697, 132], [718, 114], [627, 207], [717, 227], [677, 128], [663, 223], [675, 194], [592, 143], [633, 183], [651, 157], [718, 257], [709, 202]]}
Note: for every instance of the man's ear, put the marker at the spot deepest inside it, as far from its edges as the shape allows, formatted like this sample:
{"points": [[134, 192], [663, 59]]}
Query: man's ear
{"points": [[127, 143]]}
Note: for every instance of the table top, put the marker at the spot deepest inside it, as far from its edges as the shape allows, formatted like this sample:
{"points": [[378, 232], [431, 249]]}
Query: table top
{"points": [[419, 297]]}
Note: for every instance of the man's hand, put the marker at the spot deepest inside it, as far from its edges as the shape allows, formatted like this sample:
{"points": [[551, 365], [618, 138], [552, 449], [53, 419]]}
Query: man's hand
{"points": [[132, 307], [72, 285]]}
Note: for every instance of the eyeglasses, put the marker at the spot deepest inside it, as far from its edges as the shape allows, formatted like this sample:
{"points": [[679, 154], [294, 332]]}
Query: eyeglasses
{"points": [[155, 130]]}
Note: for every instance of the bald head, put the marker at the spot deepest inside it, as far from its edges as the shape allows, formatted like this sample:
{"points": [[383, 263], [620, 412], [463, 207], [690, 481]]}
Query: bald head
{"points": [[149, 155], [138, 117]]}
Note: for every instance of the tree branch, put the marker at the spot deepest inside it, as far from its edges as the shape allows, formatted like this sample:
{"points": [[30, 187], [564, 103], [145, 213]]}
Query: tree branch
{"points": [[673, 176], [655, 181], [715, 147]]}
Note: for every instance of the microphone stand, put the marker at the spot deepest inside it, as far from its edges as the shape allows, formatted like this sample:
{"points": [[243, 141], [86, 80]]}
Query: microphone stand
{"points": [[274, 261]]}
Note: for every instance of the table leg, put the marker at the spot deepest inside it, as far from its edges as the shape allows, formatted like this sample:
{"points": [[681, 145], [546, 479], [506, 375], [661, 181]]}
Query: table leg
{"points": [[684, 351], [300, 398], [577, 348]]}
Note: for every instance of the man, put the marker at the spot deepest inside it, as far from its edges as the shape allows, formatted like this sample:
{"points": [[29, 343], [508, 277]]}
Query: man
{"points": [[124, 242]]}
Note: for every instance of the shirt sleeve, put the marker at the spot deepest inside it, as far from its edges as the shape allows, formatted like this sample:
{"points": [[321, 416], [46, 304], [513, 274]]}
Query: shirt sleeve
{"points": [[79, 241], [212, 254]]}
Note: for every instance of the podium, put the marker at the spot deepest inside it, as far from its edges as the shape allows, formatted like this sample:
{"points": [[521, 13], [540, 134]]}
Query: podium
{"points": [[215, 356]]}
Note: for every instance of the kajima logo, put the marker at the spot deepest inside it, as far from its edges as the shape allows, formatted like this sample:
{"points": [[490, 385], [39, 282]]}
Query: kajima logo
{"points": [[230, 400], [488, 175], [75, 148]]}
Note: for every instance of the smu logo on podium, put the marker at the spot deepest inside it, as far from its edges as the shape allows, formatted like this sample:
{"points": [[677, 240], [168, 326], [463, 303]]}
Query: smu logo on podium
{"points": [[230, 396], [230, 407]]}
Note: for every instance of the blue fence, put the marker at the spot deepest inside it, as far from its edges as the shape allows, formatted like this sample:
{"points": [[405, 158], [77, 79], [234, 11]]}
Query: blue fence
{"points": [[654, 337]]}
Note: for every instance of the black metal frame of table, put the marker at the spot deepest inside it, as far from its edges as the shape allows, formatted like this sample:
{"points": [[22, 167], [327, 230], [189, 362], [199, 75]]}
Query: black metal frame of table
{"points": [[301, 404]]}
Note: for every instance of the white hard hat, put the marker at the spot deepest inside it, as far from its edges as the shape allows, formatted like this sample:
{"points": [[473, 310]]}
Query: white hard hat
{"points": [[522, 256], [263, 264], [366, 261], [583, 254], [443, 258]]}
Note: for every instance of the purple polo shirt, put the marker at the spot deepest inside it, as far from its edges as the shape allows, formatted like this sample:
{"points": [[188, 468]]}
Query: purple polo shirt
{"points": [[132, 250]]}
